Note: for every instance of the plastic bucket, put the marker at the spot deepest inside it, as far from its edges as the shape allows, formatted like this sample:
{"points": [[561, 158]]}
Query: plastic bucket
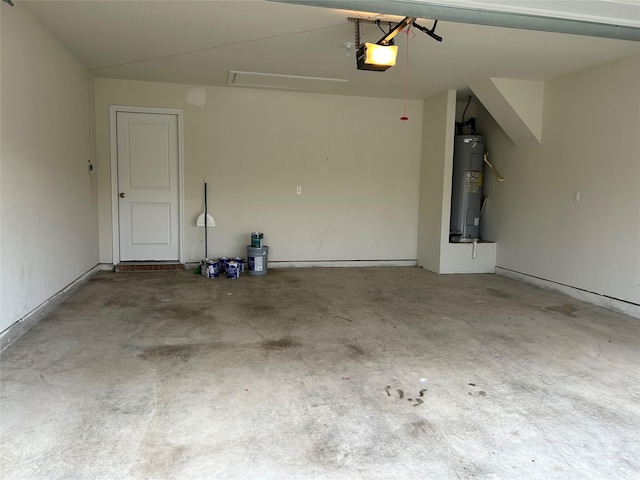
{"points": [[257, 260]]}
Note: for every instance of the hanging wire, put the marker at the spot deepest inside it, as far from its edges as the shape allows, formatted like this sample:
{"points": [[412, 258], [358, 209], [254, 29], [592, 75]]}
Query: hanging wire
{"points": [[404, 117], [465, 108]]}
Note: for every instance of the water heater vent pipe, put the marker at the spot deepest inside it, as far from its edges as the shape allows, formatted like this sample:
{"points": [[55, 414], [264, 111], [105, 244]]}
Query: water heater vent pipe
{"points": [[493, 169]]}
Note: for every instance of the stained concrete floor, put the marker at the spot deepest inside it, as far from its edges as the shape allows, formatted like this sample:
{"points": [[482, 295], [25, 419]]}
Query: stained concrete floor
{"points": [[368, 373]]}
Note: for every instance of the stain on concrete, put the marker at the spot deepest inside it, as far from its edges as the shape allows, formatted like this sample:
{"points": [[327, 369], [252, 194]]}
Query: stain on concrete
{"points": [[160, 459], [401, 395], [325, 445], [567, 310], [168, 352], [183, 312], [418, 428], [261, 309], [498, 293], [281, 344], [123, 301], [284, 276], [355, 350], [377, 298]]}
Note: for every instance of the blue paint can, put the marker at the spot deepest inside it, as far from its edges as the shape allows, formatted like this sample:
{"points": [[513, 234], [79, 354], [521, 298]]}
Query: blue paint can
{"points": [[223, 263], [232, 270], [240, 262], [209, 268]]}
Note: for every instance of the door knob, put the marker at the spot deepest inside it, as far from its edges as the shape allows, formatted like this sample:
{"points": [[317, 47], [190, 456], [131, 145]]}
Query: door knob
{"points": [[122, 195]]}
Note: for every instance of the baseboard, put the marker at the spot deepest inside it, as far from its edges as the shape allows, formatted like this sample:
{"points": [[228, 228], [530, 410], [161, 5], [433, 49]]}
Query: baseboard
{"points": [[328, 263], [343, 263], [19, 328], [600, 300]]}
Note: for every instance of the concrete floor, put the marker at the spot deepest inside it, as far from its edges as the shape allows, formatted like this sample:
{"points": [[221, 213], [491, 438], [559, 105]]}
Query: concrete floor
{"points": [[368, 373]]}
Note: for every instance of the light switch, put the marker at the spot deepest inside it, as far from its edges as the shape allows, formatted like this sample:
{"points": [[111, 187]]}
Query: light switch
{"points": [[299, 190], [576, 197]]}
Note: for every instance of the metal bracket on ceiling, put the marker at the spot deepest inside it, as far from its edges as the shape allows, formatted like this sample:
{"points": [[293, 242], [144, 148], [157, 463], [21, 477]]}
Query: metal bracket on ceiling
{"points": [[431, 33], [9, 2], [358, 21], [397, 28]]}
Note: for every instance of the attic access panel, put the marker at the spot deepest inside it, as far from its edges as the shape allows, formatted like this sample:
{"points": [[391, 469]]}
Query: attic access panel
{"points": [[283, 82]]}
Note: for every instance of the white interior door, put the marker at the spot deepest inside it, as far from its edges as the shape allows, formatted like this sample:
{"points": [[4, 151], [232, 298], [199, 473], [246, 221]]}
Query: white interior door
{"points": [[148, 186]]}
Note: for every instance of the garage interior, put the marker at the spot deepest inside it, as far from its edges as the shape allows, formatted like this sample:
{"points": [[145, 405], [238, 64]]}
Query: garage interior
{"points": [[415, 357]]}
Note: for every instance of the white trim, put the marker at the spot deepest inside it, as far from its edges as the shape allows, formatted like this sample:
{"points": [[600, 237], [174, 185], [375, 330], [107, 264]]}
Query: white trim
{"points": [[115, 229], [328, 263], [583, 295], [113, 110], [183, 256], [343, 263], [16, 330]]}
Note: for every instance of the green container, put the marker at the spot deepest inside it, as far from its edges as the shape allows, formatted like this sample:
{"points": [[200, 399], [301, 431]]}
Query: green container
{"points": [[256, 239]]}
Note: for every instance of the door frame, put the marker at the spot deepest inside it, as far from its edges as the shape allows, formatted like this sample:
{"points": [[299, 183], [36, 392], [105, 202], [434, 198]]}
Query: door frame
{"points": [[115, 214]]}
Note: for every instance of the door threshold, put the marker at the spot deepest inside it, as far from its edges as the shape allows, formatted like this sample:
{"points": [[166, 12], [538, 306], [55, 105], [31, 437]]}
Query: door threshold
{"points": [[148, 266]]}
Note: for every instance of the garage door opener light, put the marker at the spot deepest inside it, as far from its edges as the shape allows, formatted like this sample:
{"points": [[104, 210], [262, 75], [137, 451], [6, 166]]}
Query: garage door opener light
{"points": [[380, 56]]}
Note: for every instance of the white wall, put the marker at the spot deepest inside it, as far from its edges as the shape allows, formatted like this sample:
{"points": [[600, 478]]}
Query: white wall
{"points": [[591, 144], [435, 178], [48, 199], [2, 7], [357, 163]]}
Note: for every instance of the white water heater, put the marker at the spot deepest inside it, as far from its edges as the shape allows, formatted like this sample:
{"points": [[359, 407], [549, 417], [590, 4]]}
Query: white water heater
{"points": [[466, 189]]}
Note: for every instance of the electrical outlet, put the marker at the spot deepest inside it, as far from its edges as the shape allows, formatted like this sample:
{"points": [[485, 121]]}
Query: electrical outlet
{"points": [[576, 197]]}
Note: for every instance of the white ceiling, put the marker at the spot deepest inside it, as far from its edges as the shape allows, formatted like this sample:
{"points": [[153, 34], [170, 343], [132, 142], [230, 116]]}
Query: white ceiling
{"points": [[200, 42]]}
